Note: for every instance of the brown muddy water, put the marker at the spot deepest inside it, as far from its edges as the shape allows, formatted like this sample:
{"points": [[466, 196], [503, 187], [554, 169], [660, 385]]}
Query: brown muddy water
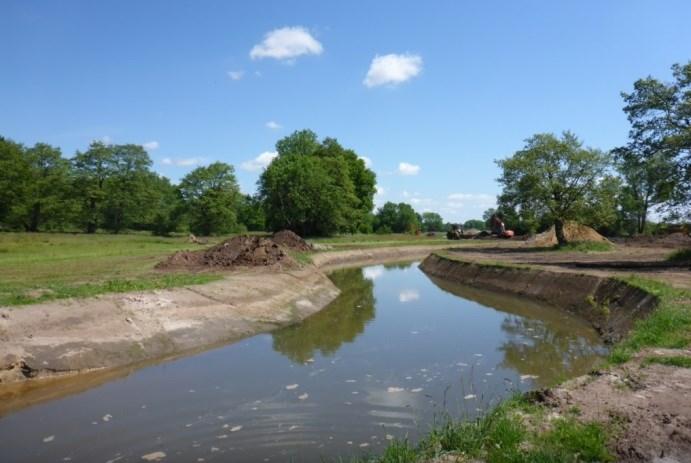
{"points": [[395, 352]]}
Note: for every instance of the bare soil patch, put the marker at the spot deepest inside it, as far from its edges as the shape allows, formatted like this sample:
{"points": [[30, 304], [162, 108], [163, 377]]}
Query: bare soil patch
{"points": [[672, 241], [649, 407], [239, 251], [291, 240]]}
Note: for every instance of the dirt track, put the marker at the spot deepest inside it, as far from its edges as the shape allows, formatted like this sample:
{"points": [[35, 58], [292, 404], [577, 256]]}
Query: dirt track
{"points": [[622, 260]]}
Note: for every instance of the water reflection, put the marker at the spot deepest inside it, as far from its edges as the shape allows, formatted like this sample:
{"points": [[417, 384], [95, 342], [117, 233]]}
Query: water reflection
{"points": [[541, 342], [342, 321]]}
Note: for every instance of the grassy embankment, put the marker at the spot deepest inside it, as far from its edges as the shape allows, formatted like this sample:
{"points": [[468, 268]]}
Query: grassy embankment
{"points": [[520, 431], [36, 267]]}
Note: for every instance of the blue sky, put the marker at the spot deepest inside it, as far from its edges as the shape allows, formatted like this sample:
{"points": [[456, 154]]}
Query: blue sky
{"points": [[457, 84]]}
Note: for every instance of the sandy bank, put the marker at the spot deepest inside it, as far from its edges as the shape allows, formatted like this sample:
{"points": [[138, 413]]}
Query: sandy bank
{"points": [[610, 305], [65, 337]]}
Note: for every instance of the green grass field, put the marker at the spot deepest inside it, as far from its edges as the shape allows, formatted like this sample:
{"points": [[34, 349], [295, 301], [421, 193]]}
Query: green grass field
{"points": [[36, 267], [41, 266]]}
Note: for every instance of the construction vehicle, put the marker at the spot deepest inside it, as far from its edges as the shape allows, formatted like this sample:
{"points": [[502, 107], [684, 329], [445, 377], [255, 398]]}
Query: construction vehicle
{"points": [[456, 232]]}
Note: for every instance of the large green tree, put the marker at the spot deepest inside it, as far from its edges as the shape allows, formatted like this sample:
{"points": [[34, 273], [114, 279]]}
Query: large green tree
{"points": [[14, 175], [211, 196], [432, 222], [660, 117], [649, 179], [316, 188], [129, 190], [92, 169], [48, 202], [553, 176], [396, 218]]}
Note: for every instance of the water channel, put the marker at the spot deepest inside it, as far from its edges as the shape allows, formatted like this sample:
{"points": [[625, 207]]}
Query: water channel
{"points": [[394, 352]]}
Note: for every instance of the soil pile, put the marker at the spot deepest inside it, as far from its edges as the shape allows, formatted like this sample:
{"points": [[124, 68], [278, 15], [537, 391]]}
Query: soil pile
{"points": [[291, 240], [240, 251], [574, 232]]}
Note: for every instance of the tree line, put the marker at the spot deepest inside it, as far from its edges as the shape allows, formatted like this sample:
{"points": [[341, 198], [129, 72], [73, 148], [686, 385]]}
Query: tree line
{"points": [[556, 178], [318, 187]]}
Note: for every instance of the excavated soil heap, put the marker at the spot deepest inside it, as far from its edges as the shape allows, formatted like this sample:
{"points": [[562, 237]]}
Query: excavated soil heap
{"points": [[291, 240], [574, 232], [245, 251]]}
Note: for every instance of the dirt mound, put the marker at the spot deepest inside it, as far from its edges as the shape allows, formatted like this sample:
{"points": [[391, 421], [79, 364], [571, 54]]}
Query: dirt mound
{"points": [[291, 240], [240, 251], [574, 232]]}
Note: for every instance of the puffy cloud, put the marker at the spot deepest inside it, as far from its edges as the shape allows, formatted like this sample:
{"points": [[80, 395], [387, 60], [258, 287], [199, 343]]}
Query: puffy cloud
{"points": [[236, 75], [408, 295], [374, 272], [182, 162], [380, 191], [260, 162], [273, 125], [286, 43], [392, 69], [151, 145], [471, 200], [405, 168], [366, 160]]}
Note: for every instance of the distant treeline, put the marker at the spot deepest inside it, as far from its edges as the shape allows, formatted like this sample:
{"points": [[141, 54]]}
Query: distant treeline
{"points": [[318, 188]]}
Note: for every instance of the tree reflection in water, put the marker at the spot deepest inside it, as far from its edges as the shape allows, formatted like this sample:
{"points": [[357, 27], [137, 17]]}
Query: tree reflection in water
{"points": [[552, 353], [542, 340], [340, 322]]}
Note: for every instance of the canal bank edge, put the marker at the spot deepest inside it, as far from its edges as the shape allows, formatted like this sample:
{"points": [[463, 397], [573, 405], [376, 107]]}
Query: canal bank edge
{"points": [[609, 305], [640, 405], [66, 337]]}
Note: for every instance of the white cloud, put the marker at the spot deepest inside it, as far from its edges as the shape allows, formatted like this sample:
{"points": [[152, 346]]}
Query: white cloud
{"points": [[151, 145], [374, 272], [408, 295], [458, 201], [380, 191], [405, 168], [366, 160], [392, 69], [106, 140], [286, 43], [236, 75], [273, 125], [260, 162], [183, 162]]}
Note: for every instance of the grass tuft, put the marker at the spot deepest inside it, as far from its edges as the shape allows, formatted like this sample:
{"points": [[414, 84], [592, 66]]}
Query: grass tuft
{"points": [[505, 435], [680, 255]]}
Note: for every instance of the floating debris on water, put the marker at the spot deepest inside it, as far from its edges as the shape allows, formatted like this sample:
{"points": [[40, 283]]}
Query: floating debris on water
{"points": [[235, 428], [107, 417], [303, 396], [351, 381], [364, 444], [469, 396], [389, 437], [395, 389], [417, 389], [48, 439], [525, 377], [290, 387], [154, 456]]}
